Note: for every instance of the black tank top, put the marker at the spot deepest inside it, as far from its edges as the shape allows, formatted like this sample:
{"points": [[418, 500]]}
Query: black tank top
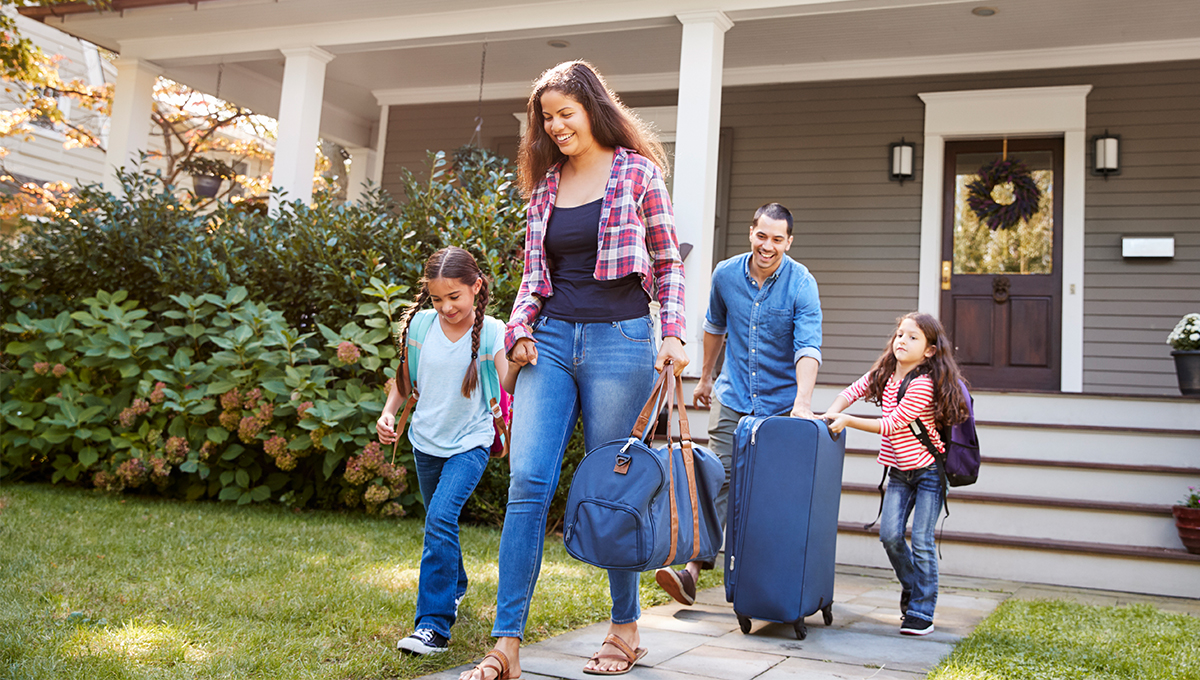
{"points": [[571, 241]]}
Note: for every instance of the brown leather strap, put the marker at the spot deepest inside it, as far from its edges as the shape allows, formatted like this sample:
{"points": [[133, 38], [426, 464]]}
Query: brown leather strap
{"points": [[689, 464], [403, 419], [650, 409], [671, 390]]}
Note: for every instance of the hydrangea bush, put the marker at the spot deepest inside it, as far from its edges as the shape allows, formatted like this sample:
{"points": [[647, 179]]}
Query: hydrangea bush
{"points": [[1186, 334]]}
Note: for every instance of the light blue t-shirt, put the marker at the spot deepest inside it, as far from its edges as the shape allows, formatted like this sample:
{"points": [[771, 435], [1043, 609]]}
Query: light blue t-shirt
{"points": [[444, 422]]}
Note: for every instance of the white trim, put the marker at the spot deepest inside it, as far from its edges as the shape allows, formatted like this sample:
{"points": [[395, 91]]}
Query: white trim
{"points": [[1018, 111], [1058, 57], [380, 145]]}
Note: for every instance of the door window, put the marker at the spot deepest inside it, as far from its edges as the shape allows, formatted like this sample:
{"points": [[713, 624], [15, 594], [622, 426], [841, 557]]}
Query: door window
{"points": [[1027, 248]]}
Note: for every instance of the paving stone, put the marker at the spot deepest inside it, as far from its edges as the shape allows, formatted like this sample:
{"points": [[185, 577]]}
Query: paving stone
{"points": [[808, 669], [696, 626], [846, 646], [570, 667], [722, 662], [583, 643]]}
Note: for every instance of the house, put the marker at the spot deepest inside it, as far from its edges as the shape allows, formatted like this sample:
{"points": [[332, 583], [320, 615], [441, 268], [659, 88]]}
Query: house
{"points": [[1087, 440]]}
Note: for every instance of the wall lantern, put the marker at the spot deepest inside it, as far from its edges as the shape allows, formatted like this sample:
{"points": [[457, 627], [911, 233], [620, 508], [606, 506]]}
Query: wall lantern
{"points": [[1106, 154], [901, 156]]}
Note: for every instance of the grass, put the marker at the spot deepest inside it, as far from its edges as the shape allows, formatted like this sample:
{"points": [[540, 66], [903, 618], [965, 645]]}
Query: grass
{"points": [[1057, 640], [103, 587]]}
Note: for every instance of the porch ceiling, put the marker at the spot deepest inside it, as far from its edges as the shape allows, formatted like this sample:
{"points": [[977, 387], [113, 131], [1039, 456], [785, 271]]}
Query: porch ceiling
{"points": [[397, 51]]}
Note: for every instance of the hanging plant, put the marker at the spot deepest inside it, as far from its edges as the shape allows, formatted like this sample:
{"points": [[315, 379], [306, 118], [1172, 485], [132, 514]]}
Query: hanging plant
{"points": [[1004, 194]]}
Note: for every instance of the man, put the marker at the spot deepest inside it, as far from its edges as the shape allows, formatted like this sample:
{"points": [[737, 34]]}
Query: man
{"points": [[764, 306]]}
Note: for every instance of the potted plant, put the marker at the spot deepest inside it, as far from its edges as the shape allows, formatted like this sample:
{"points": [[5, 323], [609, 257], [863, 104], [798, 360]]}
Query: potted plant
{"points": [[1187, 520], [207, 174], [1185, 341]]}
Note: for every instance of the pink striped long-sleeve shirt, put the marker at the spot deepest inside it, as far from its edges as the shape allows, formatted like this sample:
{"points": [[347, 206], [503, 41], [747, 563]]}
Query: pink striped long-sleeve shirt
{"points": [[899, 447]]}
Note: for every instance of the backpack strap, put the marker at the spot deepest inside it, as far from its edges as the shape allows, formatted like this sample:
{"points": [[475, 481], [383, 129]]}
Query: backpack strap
{"points": [[417, 332], [489, 381], [882, 483]]}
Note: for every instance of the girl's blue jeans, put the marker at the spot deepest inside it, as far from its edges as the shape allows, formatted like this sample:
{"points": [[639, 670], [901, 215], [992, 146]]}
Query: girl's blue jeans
{"points": [[602, 371], [446, 484], [916, 493]]}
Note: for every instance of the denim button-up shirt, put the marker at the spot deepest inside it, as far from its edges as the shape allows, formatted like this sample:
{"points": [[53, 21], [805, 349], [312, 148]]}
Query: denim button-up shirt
{"points": [[768, 330]]}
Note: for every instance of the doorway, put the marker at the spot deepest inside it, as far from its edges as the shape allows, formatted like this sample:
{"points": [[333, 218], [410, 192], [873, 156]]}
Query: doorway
{"points": [[1001, 296]]}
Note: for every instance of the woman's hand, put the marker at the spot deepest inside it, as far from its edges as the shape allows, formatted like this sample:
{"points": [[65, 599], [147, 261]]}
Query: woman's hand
{"points": [[385, 427], [524, 352], [672, 348]]}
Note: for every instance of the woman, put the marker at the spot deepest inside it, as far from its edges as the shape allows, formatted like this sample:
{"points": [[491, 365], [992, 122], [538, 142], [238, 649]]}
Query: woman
{"points": [[600, 242]]}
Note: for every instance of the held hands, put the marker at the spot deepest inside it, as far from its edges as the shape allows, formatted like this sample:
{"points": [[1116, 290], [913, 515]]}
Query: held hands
{"points": [[524, 352], [672, 348], [385, 427]]}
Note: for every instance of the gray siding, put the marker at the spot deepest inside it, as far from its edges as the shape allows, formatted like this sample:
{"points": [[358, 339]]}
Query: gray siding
{"points": [[821, 149]]}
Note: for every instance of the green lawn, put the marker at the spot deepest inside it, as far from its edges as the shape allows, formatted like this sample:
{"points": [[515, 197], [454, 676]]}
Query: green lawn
{"points": [[97, 587], [1056, 640]]}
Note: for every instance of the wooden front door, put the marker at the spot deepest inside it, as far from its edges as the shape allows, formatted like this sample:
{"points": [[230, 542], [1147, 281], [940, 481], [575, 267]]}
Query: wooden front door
{"points": [[1002, 288]]}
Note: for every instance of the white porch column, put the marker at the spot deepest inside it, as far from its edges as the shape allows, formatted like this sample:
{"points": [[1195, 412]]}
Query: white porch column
{"points": [[129, 124], [701, 57], [299, 122], [362, 168]]}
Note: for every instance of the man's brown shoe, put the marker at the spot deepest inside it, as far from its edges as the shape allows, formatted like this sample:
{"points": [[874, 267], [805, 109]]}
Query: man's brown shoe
{"points": [[679, 584]]}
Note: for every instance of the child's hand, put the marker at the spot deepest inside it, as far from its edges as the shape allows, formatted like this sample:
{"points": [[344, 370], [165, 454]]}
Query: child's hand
{"points": [[837, 421], [385, 427]]}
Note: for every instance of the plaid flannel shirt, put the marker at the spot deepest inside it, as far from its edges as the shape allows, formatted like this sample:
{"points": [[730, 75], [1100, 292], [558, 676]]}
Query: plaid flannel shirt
{"points": [[637, 236]]}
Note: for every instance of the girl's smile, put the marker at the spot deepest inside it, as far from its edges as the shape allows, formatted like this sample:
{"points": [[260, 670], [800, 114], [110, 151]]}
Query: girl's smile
{"points": [[454, 301]]}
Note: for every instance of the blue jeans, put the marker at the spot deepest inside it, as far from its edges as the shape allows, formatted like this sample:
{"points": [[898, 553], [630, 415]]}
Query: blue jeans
{"points": [[602, 371], [917, 493], [446, 484]]}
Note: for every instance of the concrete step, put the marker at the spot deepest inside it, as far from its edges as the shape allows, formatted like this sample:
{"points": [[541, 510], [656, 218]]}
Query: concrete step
{"points": [[1070, 480], [1107, 566], [1029, 517]]}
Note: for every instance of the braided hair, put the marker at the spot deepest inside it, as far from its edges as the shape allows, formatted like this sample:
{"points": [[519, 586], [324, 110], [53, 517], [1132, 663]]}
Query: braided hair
{"points": [[458, 264]]}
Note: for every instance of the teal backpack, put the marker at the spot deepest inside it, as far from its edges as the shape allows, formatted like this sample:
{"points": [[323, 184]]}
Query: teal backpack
{"points": [[498, 401]]}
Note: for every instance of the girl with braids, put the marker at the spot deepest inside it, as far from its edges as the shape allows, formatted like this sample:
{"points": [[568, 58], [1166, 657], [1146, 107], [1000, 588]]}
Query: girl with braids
{"points": [[599, 245], [918, 347], [451, 431]]}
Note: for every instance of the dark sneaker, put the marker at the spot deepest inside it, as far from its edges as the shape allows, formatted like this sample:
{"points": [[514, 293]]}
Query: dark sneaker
{"points": [[424, 641], [905, 598], [915, 626], [679, 584]]}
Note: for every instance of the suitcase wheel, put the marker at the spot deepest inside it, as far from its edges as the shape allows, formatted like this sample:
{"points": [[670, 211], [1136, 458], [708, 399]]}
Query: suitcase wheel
{"points": [[801, 629], [827, 613], [744, 623]]}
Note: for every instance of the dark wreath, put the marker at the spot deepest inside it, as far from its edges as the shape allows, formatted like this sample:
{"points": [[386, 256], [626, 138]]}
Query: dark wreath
{"points": [[1026, 194]]}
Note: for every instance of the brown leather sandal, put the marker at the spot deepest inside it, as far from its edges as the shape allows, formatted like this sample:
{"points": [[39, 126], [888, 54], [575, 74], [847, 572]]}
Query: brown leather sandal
{"points": [[502, 669], [628, 654]]}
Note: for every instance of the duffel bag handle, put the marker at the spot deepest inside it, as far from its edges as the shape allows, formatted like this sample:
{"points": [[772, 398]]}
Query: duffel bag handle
{"points": [[651, 409]]}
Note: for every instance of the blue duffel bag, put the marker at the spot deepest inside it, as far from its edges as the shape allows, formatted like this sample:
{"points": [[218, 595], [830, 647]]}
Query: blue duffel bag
{"points": [[637, 508]]}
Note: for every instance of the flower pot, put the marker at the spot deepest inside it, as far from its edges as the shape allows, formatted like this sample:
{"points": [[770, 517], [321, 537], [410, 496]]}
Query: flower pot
{"points": [[206, 185], [1187, 369], [1187, 521]]}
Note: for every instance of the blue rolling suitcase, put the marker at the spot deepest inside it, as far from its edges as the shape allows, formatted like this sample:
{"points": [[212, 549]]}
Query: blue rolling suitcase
{"points": [[781, 532]]}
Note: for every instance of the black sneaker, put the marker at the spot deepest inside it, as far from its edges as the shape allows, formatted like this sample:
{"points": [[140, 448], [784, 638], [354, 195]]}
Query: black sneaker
{"points": [[915, 626], [905, 598], [424, 641]]}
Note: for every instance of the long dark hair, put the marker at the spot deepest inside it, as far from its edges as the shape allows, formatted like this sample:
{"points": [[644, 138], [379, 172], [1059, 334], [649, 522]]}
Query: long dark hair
{"points": [[612, 123], [949, 405], [458, 264]]}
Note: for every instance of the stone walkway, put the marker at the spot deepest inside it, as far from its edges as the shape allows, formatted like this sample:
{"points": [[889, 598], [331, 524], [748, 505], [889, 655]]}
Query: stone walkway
{"points": [[704, 641]]}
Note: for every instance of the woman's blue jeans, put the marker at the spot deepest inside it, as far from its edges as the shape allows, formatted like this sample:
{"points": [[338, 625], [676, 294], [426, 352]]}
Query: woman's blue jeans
{"points": [[917, 493], [446, 484], [602, 371]]}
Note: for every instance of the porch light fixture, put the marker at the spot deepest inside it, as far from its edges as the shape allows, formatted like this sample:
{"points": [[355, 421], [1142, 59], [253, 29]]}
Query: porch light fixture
{"points": [[1106, 154], [901, 156]]}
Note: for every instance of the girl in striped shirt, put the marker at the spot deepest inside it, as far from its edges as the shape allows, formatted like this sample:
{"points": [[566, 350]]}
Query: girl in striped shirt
{"points": [[915, 489]]}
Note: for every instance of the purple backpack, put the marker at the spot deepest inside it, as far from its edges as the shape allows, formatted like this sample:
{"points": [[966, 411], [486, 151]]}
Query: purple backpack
{"points": [[960, 462]]}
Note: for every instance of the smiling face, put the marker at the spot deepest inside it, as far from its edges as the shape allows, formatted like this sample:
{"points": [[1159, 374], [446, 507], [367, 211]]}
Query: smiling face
{"points": [[567, 123], [769, 240], [454, 300], [910, 346]]}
